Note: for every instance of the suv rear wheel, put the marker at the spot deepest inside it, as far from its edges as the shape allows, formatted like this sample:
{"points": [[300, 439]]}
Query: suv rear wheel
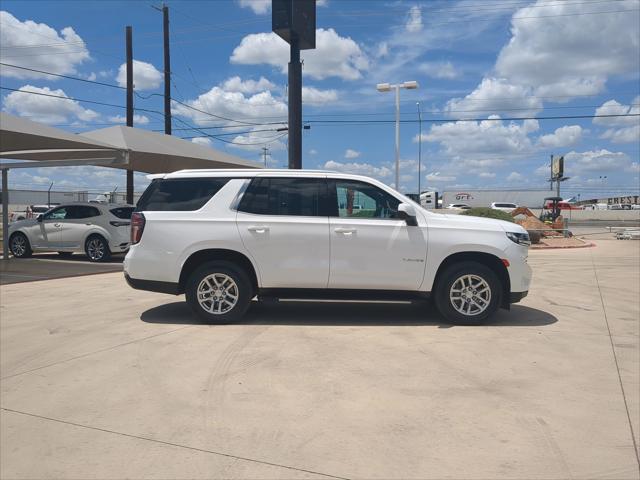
{"points": [[468, 293], [219, 292]]}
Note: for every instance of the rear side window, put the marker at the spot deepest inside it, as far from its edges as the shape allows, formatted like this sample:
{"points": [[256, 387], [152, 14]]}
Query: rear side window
{"points": [[179, 194], [123, 213], [286, 196]]}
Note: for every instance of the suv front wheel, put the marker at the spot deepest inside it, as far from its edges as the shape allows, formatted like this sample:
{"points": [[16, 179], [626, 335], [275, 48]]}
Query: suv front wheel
{"points": [[219, 292], [468, 293]]}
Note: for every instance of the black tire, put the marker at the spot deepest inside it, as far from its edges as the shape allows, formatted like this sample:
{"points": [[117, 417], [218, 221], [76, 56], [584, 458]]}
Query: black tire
{"points": [[243, 290], [19, 245], [65, 254], [97, 249], [445, 304]]}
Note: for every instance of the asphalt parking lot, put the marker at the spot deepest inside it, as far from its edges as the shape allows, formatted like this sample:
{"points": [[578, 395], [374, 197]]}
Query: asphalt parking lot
{"points": [[102, 381]]}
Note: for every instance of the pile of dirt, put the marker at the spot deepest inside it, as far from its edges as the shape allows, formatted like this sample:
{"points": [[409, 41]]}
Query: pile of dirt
{"points": [[532, 223], [571, 242]]}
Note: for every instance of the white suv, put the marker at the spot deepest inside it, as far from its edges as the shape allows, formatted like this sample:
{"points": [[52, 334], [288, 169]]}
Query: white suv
{"points": [[98, 230], [224, 236]]}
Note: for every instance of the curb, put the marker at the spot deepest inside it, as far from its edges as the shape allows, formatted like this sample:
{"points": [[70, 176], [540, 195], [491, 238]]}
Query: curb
{"points": [[547, 247]]}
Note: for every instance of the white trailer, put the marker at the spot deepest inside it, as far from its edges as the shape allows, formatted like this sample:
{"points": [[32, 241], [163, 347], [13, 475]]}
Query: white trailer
{"points": [[484, 198]]}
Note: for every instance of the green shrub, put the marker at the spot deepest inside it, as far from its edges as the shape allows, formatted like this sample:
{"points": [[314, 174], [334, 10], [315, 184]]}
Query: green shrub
{"points": [[488, 213]]}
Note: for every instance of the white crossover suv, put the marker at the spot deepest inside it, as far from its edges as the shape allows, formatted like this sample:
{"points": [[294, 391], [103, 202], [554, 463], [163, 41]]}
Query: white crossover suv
{"points": [[96, 229], [222, 237]]}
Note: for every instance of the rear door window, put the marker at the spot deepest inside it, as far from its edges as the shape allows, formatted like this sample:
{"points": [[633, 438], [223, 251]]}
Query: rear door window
{"points": [[179, 194], [306, 197], [123, 213]]}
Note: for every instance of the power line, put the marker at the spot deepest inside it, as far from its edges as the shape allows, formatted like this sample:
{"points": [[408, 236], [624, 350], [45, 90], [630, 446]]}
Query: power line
{"points": [[63, 76]]}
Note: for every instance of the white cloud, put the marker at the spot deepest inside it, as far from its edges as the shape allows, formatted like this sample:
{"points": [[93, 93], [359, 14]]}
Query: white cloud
{"points": [[595, 161], [145, 76], [629, 127], [484, 138], [562, 137], [38, 46], [46, 109], [382, 50], [414, 20], [313, 151], [612, 107], [137, 119], [622, 135], [444, 70], [514, 177], [334, 56], [487, 175], [495, 95], [566, 53], [258, 138], [205, 141], [350, 154], [319, 97], [231, 105], [236, 84], [259, 7], [438, 177], [360, 169]]}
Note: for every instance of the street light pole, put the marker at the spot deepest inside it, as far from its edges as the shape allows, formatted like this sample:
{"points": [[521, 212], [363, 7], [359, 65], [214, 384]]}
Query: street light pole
{"points": [[419, 150], [386, 87]]}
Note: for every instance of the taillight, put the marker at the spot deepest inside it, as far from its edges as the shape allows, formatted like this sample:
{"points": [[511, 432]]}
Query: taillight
{"points": [[137, 227]]}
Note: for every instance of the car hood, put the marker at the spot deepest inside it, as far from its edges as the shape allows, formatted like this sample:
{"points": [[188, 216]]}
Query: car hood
{"points": [[478, 223]]}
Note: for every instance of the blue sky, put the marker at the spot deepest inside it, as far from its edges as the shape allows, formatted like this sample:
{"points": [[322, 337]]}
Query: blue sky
{"points": [[477, 63]]}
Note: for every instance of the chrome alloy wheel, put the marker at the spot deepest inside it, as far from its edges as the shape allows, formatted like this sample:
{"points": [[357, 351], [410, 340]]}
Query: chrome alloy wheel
{"points": [[217, 293], [470, 295], [95, 249], [18, 245]]}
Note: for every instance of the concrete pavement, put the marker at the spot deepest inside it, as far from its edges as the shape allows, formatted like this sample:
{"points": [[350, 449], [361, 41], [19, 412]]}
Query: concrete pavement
{"points": [[45, 266], [101, 381]]}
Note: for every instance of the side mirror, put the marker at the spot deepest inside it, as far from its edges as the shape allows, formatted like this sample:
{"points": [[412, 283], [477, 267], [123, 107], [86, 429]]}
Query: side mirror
{"points": [[39, 218], [408, 214]]}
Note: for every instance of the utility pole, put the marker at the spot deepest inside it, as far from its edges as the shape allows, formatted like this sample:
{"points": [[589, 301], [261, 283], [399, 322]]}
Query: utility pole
{"points": [[167, 71], [265, 152], [129, 42]]}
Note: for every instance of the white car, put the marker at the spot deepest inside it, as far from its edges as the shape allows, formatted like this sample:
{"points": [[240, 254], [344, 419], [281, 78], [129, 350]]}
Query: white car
{"points": [[458, 206], [504, 206], [224, 236], [96, 229]]}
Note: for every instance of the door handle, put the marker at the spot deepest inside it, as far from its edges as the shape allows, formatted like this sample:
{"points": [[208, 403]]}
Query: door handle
{"points": [[345, 231], [258, 228], [56, 224]]}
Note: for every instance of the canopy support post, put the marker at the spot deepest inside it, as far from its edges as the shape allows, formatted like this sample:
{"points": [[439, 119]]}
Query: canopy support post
{"points": [[5, 214]]}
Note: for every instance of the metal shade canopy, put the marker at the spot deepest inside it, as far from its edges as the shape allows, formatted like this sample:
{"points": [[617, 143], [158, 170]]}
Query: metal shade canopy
{"points": [[18, 134], [147, 151], [35, 145]]}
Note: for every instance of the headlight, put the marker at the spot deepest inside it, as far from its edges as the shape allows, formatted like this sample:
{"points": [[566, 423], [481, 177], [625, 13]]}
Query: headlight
{"points": [[519, 238]]}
